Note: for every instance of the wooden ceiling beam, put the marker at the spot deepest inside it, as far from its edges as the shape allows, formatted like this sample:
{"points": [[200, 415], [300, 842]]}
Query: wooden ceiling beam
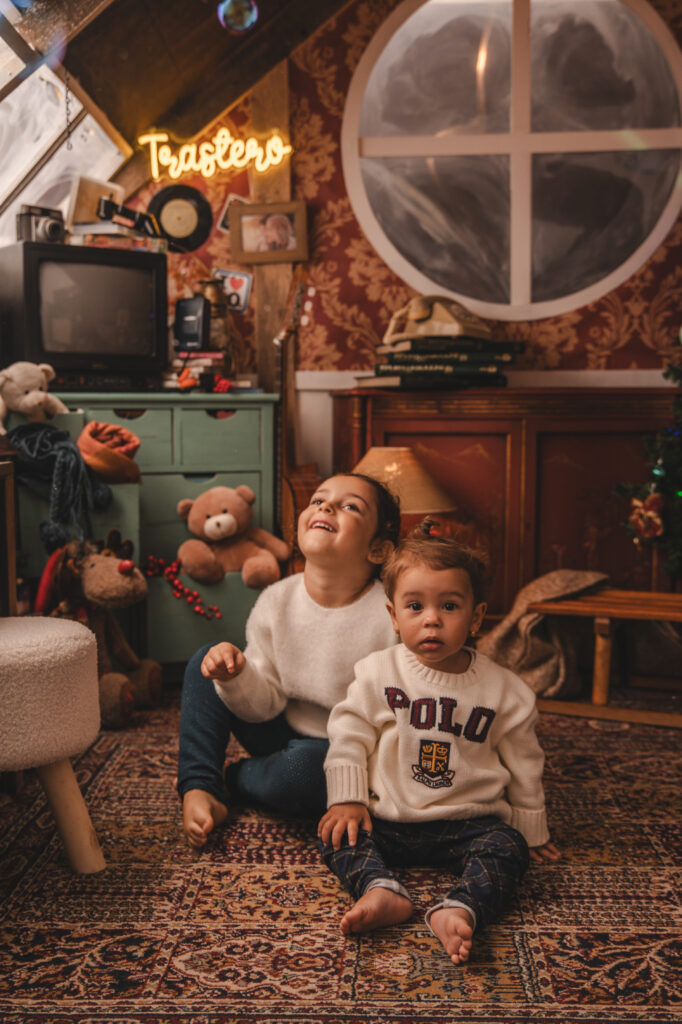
{"points": [[48, 22], [257, 54]]}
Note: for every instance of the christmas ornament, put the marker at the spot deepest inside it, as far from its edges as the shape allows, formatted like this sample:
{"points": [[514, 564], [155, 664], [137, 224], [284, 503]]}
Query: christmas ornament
{"points": [[655, 515], [645, 516]]}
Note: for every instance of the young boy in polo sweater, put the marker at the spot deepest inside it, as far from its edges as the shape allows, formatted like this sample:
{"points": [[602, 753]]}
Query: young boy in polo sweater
{"points": [[433, 757]]}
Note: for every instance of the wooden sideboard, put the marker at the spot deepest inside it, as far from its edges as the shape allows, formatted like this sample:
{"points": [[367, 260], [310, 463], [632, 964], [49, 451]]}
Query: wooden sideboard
{"points": [[532, 471]]}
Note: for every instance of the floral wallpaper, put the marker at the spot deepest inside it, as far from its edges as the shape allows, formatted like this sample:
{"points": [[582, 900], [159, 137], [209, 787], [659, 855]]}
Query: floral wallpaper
{"points": [[353, 294]]}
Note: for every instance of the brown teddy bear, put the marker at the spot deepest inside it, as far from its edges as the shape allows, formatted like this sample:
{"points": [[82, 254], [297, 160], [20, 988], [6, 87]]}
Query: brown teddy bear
{"points": [[85, 582], [220, 519], [23, 389]]}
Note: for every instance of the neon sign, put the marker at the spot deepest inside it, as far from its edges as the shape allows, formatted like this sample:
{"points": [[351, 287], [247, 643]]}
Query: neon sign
{"points": [[223, 152]]}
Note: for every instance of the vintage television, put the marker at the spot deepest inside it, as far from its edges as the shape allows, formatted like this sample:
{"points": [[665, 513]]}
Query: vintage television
{"points": [[98, 316]]}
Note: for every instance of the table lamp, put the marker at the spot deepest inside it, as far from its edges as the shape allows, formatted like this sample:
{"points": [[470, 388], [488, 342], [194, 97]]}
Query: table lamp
{"points": [[409, 480]]}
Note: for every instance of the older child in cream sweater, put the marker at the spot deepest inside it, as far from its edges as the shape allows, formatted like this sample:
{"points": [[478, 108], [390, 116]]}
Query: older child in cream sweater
{"points": [[303, 635]]}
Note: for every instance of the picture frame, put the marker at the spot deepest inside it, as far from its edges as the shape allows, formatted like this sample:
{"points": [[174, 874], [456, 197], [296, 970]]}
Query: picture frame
{"points": [[269, 232], [223, 221]]}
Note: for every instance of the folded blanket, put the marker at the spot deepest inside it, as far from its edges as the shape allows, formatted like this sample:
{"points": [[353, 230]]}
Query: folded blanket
{"points": [[108, 450], [544, 651]]}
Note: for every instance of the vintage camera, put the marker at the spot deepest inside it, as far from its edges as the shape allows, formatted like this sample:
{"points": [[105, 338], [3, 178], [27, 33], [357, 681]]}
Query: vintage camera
{"points": [[39, 224]]}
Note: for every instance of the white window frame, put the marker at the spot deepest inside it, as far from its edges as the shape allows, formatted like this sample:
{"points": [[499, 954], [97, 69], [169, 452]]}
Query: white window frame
{"points": [[29, 56], [519, 144]]}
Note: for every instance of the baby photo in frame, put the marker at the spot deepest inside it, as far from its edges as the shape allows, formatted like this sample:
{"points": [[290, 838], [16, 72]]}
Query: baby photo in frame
{"points": [[269, 232]]}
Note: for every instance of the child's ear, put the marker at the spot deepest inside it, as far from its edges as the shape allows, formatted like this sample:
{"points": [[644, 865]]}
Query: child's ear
{"points": [[391, 611], [379, 550], [477, 617]]}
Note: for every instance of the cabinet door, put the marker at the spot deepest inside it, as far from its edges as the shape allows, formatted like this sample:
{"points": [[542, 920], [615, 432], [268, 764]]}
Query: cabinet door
{"points": [[574, 519], [478, 463], [153, 428], [221, 438]]}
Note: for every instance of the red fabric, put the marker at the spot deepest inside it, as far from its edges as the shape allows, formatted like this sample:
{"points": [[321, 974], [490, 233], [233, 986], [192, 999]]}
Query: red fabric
{"points": [[42, 605]]}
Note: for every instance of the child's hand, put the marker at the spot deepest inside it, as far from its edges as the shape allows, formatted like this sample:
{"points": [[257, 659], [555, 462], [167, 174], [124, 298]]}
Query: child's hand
{"points": [[548, 851], [342, 818], [223, 662]]}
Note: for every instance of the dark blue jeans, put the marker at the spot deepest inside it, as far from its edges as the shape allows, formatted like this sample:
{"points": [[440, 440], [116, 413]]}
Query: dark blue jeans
{"points": [[284, 772], [489, 856]]}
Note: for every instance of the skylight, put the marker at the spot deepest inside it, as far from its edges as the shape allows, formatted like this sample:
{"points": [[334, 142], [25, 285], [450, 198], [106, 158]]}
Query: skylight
{"points": [[41, 152]]}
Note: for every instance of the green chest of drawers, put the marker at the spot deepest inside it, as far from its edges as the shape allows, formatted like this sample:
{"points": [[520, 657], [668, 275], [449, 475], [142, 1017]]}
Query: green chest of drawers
{"points": [[188, 443]]}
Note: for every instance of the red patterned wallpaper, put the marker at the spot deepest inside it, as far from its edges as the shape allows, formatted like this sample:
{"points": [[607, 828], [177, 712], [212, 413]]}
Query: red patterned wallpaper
{"points": [[634, 326]]}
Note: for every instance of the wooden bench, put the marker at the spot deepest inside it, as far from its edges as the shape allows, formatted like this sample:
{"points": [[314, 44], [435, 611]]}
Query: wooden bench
{"points": [[604, 606]]}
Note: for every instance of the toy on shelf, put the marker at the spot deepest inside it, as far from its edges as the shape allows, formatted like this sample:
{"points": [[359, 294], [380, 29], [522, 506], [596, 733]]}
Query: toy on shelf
{"points": [[85, 582], [224, 540], [23, 389]]}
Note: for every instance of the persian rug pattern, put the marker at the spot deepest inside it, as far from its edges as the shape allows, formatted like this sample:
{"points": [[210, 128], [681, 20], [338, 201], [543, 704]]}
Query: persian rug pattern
{"points": [[247, 931]]}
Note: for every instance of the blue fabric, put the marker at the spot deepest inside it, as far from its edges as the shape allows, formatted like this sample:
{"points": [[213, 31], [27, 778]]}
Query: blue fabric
{"points": [[50, 464], [284, 772], [489, 856]]}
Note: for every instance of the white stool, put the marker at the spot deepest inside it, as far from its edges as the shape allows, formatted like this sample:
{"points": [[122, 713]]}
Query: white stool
{"points": [[49, 711]]}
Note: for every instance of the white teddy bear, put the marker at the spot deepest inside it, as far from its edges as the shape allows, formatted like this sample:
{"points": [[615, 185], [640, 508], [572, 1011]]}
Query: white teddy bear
{"points": [[23, 389]]}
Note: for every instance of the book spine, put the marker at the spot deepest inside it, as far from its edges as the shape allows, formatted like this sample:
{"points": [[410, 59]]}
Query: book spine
{"points": [[472, 359], [460, 344], [433, 368], [189, 353]]}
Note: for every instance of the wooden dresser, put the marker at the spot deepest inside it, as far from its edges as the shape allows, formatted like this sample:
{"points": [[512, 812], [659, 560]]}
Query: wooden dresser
{"points": [[188, 444], [531, 471]]}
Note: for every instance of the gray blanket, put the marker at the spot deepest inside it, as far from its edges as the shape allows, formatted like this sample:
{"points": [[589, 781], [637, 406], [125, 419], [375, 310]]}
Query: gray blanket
{"points": [[546, 652]]}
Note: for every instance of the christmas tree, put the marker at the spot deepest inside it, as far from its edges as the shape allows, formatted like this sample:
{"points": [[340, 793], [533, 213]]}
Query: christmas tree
{"points": [[655, 518]]}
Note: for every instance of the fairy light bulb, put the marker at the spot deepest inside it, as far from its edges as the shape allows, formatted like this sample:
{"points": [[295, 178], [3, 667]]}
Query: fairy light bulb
{"points": [[237, 15]]}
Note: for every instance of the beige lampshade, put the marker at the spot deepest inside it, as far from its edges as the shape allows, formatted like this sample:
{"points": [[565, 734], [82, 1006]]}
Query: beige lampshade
{"points": [[407, 478]]}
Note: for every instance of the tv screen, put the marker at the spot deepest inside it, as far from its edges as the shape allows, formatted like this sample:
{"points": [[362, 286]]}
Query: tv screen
{"points": [[99, 316], [78, 315]]}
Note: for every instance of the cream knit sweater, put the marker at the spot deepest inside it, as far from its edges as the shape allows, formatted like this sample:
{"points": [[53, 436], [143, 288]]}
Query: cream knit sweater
{"points": [[300, 655], [416, 744]]}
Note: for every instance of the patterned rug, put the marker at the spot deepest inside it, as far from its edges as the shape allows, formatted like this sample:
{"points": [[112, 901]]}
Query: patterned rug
{"points": [[248, 930]]}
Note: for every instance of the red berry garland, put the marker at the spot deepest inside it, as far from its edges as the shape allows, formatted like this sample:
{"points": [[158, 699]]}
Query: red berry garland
{"points": [[154, 566]]}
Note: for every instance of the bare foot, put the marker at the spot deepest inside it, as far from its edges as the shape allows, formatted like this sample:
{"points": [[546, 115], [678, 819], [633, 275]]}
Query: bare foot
{"points": [[453, 926], [378, 908], [201, 812]]}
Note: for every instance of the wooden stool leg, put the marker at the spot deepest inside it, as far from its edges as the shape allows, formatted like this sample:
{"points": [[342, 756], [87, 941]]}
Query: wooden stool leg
{"points": [[72, 818], [602, 661]]}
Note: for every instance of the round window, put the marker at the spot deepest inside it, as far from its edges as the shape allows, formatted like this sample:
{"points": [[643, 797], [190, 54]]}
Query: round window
{"points": [[522, 156]]}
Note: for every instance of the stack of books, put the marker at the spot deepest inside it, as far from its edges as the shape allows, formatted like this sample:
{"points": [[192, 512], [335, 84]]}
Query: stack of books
{"points": [[435, 342], [193, 365], [442, 362]]}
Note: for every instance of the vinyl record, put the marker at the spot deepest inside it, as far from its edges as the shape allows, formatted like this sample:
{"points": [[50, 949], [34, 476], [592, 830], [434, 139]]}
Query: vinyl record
{"points": [[184, 216]]}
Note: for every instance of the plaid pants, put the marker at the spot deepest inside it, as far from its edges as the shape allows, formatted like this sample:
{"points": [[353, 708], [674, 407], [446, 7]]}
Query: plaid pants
{"points": [[489, 857]]}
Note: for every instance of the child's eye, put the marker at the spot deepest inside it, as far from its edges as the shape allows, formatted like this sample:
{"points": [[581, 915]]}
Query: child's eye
{"points": [[449, 606], [415, 606], [316, 501], [350, 505]]}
